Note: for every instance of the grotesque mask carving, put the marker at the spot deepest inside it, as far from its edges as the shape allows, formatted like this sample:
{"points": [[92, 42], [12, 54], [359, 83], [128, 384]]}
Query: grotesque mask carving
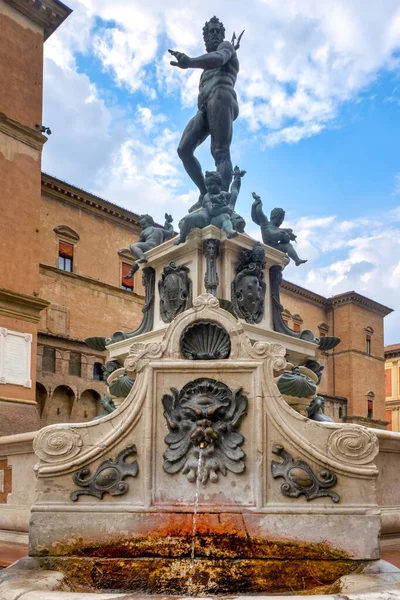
{"points": [[203, 418]]}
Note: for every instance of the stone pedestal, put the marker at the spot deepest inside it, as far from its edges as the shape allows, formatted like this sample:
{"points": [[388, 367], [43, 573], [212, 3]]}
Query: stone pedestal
{"points": [[193, 255], [282, 501]]}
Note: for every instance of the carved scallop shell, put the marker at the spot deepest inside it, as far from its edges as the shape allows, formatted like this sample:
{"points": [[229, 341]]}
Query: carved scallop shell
{"points": [[205, 340], [57, 444], [121, 386], [293, 383], [353, 445]]}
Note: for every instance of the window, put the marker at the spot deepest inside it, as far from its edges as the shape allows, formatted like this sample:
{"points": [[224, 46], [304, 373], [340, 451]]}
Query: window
{"points": [[49, 360], [323, 329], [297, 322], [65, 256], [340, 412], [370, 406], [97, 372], [75, 364], [368, 344], [126, 284]]}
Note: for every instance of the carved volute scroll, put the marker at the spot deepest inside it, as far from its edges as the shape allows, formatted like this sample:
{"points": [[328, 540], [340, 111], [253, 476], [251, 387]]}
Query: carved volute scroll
{"points": [[204, 416], [175, 289]]}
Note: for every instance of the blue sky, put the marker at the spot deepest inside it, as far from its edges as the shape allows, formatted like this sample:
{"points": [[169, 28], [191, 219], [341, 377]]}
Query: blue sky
{"points": [[318, 133]]}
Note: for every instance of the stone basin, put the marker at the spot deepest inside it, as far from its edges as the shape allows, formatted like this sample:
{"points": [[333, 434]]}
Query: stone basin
{"points": [[378, 580]]}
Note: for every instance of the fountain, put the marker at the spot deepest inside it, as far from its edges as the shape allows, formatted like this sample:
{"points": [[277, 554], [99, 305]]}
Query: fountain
{"points": [[208, 474]]}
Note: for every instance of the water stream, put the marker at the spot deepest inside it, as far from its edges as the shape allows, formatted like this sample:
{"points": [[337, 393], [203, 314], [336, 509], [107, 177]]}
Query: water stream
{"points": [[194, 526]]}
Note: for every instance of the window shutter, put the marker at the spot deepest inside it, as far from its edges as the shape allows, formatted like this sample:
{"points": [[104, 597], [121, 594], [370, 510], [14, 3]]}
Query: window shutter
{"points": [[65, 250], [125, 270]]}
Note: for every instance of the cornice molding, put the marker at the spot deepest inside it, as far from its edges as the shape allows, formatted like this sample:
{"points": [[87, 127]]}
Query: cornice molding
{"points": [[48, 14], [61, 190], [393, 353], [67, 232], [338, 300], [22, 133], [355, 298], [21, 306], [300, 291]]}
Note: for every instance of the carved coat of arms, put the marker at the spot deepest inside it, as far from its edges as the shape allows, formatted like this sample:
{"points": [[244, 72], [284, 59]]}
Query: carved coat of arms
{"points": [[248, 287], [175, 289]]}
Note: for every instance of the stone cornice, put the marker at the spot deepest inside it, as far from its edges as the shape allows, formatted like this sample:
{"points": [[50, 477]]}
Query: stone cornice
{"points": [[21, 306], [392, 353], [81, 278], [66, 341], [304, 293], [355, 298], [340, 299], [48, 14], [22, 133], [64, 191]]}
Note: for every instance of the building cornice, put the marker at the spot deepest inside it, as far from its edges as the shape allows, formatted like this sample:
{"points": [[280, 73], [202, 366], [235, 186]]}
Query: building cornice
{"points": [[392, 353], [304, 293], [64, 191], [21, 306], [22, 133], [355, 298], [338, 300], [48, 14]]}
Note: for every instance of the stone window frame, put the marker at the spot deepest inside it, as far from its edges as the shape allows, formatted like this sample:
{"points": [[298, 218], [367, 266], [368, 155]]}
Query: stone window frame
{"points": [[323, 329], [66, 234], [297, 322], [370, 404], [286, 316], [369, 332]]}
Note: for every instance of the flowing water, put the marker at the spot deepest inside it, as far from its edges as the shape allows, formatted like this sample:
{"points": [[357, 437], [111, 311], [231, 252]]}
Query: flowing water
{"points": [[194, 527]]}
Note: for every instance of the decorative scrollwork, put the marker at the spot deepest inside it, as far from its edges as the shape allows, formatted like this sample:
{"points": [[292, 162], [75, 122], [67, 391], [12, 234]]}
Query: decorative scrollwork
{"points": [[301, 479], [354, 445], [108, 477], [56, 444], [139, 351], [206, 300]]}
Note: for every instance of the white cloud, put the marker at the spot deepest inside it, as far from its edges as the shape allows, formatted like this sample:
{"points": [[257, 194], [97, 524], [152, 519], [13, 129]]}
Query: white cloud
{"points": [[369, 260]]}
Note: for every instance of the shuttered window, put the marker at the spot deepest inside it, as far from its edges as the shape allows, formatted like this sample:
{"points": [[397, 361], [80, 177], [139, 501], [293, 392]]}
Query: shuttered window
{"points": [[65, 256], [126, 284]]}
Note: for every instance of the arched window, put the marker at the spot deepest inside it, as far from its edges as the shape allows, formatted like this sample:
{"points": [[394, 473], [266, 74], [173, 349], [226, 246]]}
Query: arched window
{"points": [[97, 371]]}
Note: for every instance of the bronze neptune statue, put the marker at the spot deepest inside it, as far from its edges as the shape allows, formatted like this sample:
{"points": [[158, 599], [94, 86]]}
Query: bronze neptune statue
{"points": [[217, 105]]}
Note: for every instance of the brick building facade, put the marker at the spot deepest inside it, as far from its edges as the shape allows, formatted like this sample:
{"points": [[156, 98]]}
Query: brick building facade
{"points": [[66, 252]]}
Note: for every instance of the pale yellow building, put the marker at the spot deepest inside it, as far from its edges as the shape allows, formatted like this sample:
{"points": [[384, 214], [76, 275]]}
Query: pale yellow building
{"points": [[392, 386]]}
